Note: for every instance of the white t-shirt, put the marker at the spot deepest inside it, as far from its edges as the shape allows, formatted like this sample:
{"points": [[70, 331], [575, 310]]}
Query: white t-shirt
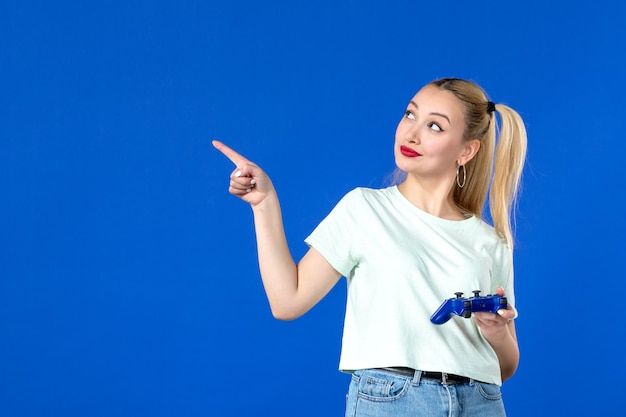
{"points": [[401, 263]]}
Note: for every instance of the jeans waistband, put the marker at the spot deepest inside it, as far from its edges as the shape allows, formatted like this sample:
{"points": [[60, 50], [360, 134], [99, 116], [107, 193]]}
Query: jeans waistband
{"points": [[441, 377]]}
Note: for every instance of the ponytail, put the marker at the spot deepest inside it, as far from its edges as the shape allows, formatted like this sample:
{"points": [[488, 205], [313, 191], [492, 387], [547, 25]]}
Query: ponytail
{"points": [[510, 155]]}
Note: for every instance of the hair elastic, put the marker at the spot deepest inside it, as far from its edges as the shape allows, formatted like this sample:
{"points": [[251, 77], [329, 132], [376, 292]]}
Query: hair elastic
{"points": [[491, 107]]}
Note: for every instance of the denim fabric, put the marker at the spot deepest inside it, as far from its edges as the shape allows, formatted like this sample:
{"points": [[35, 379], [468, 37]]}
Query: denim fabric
{"points": [[378, 393]]}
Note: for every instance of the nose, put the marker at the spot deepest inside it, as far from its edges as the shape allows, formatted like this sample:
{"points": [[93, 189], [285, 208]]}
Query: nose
{"points": [[412, 133]]}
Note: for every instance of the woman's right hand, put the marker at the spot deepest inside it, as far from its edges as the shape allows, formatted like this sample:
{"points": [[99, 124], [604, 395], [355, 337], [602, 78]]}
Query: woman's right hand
{"points": [[247, 181], [292, 289]]}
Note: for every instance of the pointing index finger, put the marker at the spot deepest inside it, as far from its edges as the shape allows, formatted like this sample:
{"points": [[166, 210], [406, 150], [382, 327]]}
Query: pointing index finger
{"points": [[229, 153]]}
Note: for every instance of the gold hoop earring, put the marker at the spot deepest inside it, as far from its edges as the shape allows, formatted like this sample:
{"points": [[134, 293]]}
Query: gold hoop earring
{"points": [[458, 169]]}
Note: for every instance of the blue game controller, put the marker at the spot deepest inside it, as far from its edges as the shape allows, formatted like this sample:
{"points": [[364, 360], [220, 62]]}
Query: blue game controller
{"points": [[464, 307]]}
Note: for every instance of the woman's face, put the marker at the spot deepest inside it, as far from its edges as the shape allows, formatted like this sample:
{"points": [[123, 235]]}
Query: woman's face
{"points": [[429, 138]]}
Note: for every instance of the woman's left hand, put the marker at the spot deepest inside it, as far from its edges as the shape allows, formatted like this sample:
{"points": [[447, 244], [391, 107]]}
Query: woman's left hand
{"points": [[492, 324], [499, 330]]}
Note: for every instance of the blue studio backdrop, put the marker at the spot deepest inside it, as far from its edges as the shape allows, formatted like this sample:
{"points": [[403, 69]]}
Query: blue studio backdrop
{"points": [[128, 276]]}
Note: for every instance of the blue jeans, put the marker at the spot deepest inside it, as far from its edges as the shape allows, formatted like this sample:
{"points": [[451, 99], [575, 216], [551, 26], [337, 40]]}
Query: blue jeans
{"points": [[378, 393]]}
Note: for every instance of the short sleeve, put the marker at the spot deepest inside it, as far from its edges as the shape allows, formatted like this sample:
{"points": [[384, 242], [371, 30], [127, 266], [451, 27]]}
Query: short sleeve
{"points": [[336, 237], [503, 275]]}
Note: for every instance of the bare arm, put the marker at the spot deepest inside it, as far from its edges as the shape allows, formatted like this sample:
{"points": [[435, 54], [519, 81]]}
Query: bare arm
{"points": [[499, 330], [292, 289]]}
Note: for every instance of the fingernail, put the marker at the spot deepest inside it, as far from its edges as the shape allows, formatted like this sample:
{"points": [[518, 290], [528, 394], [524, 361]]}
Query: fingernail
{"points": [[248, 190], [238, 173], [501, 312], [252, 182]]}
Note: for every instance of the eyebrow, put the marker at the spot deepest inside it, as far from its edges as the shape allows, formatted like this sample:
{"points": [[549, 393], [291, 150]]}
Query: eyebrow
{"points": [[432, 113]]}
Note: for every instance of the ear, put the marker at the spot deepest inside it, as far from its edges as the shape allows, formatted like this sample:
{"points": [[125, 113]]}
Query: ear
{"points": [[470, 149]]}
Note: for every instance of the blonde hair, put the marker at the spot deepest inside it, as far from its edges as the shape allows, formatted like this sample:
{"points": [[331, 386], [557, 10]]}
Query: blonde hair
{"points": [[500, 178]]}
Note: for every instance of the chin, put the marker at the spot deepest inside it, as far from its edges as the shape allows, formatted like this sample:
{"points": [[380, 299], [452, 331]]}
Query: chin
{"points": [[403, 165]]}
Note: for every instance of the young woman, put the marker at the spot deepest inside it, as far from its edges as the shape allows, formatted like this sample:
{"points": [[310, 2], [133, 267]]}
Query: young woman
{"points": [[404, 250]]}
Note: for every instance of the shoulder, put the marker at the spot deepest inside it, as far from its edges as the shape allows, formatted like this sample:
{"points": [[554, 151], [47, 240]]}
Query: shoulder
{"points": [[361, 200], [494, 244], [371, 195]]}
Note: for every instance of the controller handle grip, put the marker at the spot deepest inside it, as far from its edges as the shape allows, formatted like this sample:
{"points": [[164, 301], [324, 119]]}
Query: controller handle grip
{"points": [[442, 315]]}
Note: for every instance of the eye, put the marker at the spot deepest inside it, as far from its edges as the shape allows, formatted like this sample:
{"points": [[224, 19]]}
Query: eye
{"points": [[409, 115], [434, 126]]}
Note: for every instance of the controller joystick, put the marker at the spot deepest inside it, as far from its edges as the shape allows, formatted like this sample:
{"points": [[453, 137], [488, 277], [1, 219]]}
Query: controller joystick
{"points": [[464, 307]]}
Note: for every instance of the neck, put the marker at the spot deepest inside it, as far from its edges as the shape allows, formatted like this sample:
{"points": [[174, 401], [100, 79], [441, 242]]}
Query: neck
{"points": [[433, 198]]}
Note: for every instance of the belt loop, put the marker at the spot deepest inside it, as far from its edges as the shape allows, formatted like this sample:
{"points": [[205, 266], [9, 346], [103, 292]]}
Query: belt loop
{"points": [[417, 377]]}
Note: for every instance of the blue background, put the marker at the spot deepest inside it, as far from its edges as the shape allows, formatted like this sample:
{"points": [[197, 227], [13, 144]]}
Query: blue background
{"points": [[128, 276]]}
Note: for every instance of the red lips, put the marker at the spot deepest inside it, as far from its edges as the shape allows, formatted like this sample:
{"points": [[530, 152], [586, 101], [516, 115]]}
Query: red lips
{"points": [[406, 151]]}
